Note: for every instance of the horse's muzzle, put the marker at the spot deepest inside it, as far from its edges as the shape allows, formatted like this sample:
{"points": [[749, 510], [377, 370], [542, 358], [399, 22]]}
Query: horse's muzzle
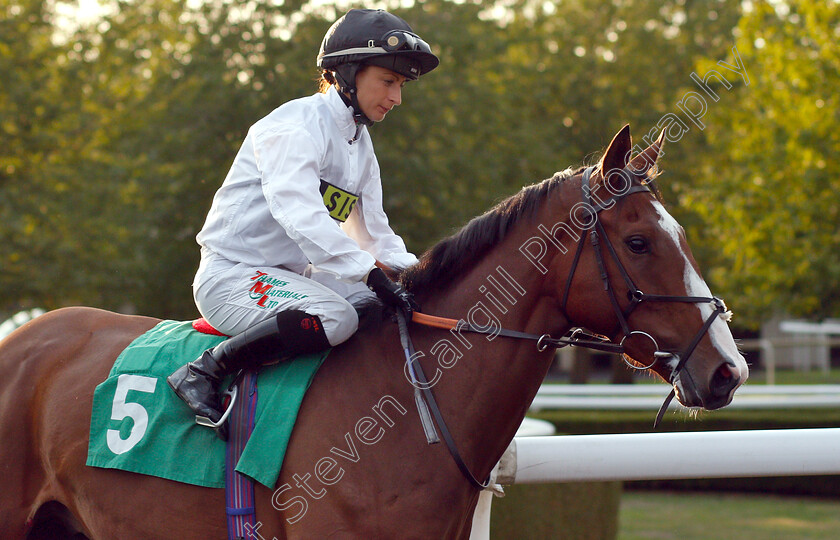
{"points": [[719, 392]]}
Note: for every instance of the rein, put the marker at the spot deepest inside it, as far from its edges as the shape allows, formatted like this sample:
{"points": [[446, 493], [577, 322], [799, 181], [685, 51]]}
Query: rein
{"points": [[425, 399], [577, 337], [418, 376]]}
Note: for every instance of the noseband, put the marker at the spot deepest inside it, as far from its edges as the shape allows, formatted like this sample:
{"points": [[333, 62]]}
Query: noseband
{"points": [[635, 295]]}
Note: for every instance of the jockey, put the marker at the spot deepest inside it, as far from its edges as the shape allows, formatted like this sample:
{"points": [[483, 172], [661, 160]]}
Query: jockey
{"points": [[296, 233]]}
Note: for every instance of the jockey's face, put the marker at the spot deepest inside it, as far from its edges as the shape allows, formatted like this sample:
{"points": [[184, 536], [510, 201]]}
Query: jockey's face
{"points": [[379, 90]]}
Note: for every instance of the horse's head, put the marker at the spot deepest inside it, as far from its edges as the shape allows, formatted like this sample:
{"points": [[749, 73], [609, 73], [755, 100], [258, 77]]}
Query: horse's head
{"points": [[660, 308]]}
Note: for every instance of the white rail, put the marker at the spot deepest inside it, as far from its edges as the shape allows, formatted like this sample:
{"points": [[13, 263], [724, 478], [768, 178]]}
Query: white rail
{"points": [[650, 397], [653, 456], [659, 456]]}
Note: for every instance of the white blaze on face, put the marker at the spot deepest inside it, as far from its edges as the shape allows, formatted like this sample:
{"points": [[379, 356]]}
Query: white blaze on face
{"points": [[719, 331]]}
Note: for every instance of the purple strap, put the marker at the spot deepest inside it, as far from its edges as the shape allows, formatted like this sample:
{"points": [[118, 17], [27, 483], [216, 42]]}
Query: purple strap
{"points": [[239, 489]]}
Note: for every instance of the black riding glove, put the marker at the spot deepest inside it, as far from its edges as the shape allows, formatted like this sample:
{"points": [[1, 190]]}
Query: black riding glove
{"points": [[391, 293]]}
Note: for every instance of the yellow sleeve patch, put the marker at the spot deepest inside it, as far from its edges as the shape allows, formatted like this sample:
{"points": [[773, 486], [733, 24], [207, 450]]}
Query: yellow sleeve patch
{"points": [[339, 203]]}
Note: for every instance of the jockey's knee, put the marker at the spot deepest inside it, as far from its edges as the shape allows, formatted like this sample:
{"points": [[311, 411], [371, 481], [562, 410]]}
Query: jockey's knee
{"points": [[340, 320]]}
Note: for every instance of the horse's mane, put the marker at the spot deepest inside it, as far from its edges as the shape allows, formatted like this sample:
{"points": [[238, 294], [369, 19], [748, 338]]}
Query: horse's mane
{"points": [[461, 251]]}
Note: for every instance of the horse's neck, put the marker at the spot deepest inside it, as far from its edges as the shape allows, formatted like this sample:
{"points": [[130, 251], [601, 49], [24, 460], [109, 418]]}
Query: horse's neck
{"points": [[487, 382]]}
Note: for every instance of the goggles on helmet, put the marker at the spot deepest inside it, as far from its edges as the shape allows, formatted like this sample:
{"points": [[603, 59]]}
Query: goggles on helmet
{"points": [[402, 40], [395, 41]]}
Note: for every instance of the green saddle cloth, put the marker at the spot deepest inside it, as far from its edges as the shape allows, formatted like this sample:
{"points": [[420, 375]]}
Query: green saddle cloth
{"points": [[138, 424]]}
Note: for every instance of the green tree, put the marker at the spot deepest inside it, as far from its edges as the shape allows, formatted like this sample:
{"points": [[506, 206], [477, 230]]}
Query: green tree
{"points": [[767, 188], [135, 119], [532, 88], [32, 118], [118, 137]]}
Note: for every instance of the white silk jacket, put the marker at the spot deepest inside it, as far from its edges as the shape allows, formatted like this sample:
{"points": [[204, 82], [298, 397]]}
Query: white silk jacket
{"points": [[272, 209]]}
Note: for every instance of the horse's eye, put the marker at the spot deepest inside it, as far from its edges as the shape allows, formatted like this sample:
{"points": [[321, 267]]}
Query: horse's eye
{"points": [[638, 244]]}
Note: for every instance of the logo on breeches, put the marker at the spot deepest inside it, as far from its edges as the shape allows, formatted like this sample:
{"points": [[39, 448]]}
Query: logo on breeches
{"points": [[267, 289]]}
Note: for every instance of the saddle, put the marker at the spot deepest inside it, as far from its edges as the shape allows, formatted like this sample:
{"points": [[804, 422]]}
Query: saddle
{"points": [[138, 424]]}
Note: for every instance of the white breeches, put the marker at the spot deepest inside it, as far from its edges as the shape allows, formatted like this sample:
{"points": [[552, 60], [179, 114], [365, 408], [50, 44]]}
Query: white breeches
{"points": [[235, 297]]}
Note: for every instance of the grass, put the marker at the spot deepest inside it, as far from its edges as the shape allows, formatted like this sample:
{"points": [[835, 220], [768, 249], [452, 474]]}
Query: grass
{"points": [[694, 516]]}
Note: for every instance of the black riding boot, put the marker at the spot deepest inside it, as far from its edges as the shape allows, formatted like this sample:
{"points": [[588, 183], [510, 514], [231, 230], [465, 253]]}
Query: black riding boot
{"points": [[286, 335]]}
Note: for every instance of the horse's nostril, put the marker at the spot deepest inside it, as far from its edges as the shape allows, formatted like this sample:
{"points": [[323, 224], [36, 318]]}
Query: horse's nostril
{"points": [[724, 380]]}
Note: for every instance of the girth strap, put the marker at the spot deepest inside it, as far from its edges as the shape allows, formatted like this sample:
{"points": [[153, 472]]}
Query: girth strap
{"points": [[239, 489]]}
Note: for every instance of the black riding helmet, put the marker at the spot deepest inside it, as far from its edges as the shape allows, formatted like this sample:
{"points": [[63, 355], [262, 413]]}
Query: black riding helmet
{"points": [[372, 36]]}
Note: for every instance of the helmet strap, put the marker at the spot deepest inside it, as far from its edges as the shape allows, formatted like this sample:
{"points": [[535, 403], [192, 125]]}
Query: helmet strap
{"points": [[343, 74]]}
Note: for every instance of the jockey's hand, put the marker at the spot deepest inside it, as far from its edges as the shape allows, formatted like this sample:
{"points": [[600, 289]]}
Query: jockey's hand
{"points": [[391, 293]]}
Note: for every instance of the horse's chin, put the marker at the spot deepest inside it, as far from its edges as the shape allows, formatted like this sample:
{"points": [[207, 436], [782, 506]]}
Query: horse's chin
{"points": [[687, 394]]}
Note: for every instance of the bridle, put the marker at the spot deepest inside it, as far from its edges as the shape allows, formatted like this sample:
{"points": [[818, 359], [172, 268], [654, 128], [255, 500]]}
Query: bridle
{"points": [[578, 337], [635, 295]]}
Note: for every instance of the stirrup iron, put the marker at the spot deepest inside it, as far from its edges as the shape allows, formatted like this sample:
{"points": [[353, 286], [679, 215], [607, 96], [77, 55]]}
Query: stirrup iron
{"points": [[232, 393]]}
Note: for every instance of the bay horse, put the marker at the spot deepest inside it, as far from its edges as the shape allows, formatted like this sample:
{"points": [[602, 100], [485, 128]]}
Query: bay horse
{"points": [[575, 250]]}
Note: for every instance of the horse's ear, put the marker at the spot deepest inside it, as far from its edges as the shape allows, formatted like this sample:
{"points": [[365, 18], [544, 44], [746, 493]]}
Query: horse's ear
{"points": [[647, 157], [618, 152]]}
